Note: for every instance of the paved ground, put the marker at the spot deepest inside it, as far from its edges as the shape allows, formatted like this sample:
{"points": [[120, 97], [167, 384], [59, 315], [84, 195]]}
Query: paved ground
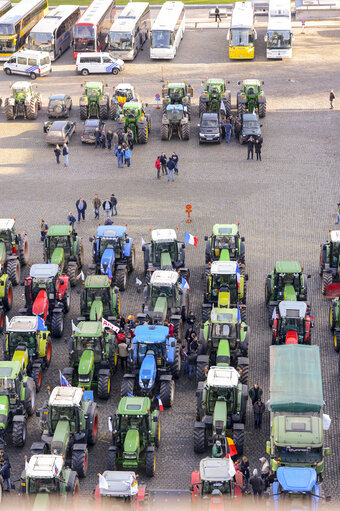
{"points": [[285, 206]]}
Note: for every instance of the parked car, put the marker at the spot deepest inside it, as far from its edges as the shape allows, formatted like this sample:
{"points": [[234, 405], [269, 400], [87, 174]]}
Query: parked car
{"points": [[96, 62], [250, 126], [59, 105], [88, 133], [29, 63], [210, 128], [59, 132]]}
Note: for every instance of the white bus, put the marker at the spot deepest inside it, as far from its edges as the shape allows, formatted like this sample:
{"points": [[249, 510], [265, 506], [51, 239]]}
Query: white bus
{"points": [[54, 33], [279, 36], [5, 6], [167, 31], [242, 33], [130, 31]]}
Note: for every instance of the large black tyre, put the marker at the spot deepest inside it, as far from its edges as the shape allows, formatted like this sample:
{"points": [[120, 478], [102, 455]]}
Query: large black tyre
{"points": [[79, 462], [2, 321], [243, 314], [238, 438], [104, 386], [268, 290], [142, 134], [227, 106], [202, 107], [9, 111], [206, 311], [112, 460], [32, 109], [131, 260], [201, 373], [164, 106], [332, 316], [262, 109], [327, 279], [72, 272], [127, 387], [80, 253], [103, 112], [23, 250], [37, 377], [241, 108], [164, 131], [19, 433], [83, 112], [323, 259], [243, 369], [7, 300], [48, 356], [167, 393], [57, 325], [150, 463], [73, 485], [92, 428], [30, 398], [186, 131], [200, 442], [189, 110], [13, 270], [114, 111], [176, 365], [90, 271], [121, 278], [336, 341], [158, 433]]}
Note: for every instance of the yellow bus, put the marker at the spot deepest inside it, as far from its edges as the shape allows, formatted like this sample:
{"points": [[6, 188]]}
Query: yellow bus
{"points": [[242, 34], [17, 23]]}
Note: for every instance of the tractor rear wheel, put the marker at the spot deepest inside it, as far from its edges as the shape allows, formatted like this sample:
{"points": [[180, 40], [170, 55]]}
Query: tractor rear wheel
{"points": [[201, 373], [103, 112], [90, 271], [243, 370], [268, 290], [164, 131], [9, 111], [23, 250], [238, 438], [189, 110], [112, 460], [104, 386], [158, 433], [142, 134], [48, 353], [13, 270], [32, 109], [127, 387], [79, 462], [150, 463], [80, 253], [92, 433], [176, 365], [114, 111], [336, 342], [241, 108], [167, 393], [37, 377], [227, 106], [72, 272], [186, 131], [73, 486], [200, 441], [131, 260], [332, 316], [121, 277], [262, 109], [30, 398], [83, 112], [327, 279], [202, 108], [8, 295], [206, 314], [57, 326], [2, 321], [243, 314], [164, 106], [19, 433]]}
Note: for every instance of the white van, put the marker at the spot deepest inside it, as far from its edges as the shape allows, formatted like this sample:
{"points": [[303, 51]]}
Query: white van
{"points": [[97, 62], [29, 63]]}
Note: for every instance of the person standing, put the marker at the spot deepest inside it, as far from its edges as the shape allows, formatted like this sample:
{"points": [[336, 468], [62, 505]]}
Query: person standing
{"points": [[123, 354], [114, 202], [162, 159], [65, 153], [245, 470], [127, 156], [81, 208], [338, 213], [255, 393], [250, 148], [264, 471], [115, 140], [158, 166], [217, 14], [5, 469], [119, 153], [130, 138], [57, 153], [259, 410], [191, 320], [171, 165], [71, 219], [331, 98], [109, 137], [258, 147], [97, 135], [175, 159], [43, 229], [103, 139], [228, 127], [107, 207], [96, 203], [256, 483]]}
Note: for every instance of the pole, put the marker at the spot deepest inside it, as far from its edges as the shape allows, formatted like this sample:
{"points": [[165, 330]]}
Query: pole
{"points": [[162, 79]]}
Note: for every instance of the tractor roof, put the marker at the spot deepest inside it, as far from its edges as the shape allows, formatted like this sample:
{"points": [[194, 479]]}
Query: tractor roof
{"points": [[225, 230], [164, 278], [223, 267], [59, 230], [111, 231], [97, 281], [124, 86], [93, 85], [6, 224], [119, 483], [151, 333], [335, 236], [292, 309], [252, 82], [222, 377], [287, 267], [296, 479], [134, 406], [20, 85], [44, 466], [44, 271], [89, 329], [9, 369], [223, 315], [217, 469], [23, 324], [163, 235], [132, 105], [174, 107], [215, 81], [66, 396], [174, 85]]}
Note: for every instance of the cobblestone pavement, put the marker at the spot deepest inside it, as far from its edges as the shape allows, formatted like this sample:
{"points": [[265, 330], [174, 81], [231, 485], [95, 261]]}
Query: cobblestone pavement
{"points": [[285, 206]]}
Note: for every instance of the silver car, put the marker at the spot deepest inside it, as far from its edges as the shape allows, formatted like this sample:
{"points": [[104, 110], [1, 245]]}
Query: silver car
{"points": [[59, 132]]}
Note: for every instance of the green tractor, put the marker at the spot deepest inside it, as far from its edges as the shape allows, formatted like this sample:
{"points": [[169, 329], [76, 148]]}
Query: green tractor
{"points": [[214, 95], [330, 265], [99, 299], [93, 357], [14, 252], [175, 120], [225, 341], [26, 344], [94, 103], [17, 401], [24, 102], [287, 282], [251, 98], [221, 407], [133, 117], [136, 433], [177, 94], [6, 298], [63, 246], [225, 244], [334, 322], [225, 286], [69, 423]]}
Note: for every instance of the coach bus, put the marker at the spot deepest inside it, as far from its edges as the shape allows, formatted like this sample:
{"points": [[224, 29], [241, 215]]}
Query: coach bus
{"points": [[91, 30], [129, 31], [167, 31], [279, 36], [242, 34], [54, 32], [17, 23], [5, 6]]}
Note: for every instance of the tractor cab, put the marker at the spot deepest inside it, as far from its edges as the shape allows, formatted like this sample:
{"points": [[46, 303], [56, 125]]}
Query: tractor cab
{"points": [[215, 87], [163, 291], [335, 249], [214, 480], [123, 93], [150, 341], [164, 251], [88, 339], [330, 265], [41, 285], [175, 113], [58, 244], [96, 297], [292, 323], [133, 414], [222, 283], [21, 336], [176, 91], [133, 110], [41, 474], [287, 280], [93, 90], [7, 232], [11, 378], [64, 415], [119, 486], [251, 88], [109, 244], [222, 385], [297, 487], [225, 244]]}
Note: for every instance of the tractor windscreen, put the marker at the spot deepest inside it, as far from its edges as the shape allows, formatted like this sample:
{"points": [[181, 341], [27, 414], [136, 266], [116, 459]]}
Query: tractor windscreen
{"points": [[62, 413], [58, 241], [131, 113], [158, 291], [225, 242], [162, 248], [224, 280], [102, 294], [150, 349], [21, 339], [294, 324], [5, 236], [44, 485], [252, 90], [215, 89], [335, 254], [220, 486], [223, 331], [112, 243], [92, 93]]}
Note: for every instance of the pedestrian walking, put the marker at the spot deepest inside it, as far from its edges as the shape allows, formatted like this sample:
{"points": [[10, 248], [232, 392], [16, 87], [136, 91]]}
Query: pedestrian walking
{"points": [[81, 208], [171, 166], [250, 148], [130, 139], [65, 154], [162, 159], [175, 159], [338, 213], [119, 154], [5, 469], [228, 127], [245, 470], [43, 229], [264, 471], [256, 484], [217, 14], [107, 207], [57, 153], [331, 98], [192, 360], [103, 139], [115, 140], [114, 202], [121, 322], [71, 219], [259, 409], [191, 320], [127, 156], [258, 147], [109, 137], [188, 337], [123, 354], [184, 360], [120, 138], [158, 167], [97, 135], [255, 393], [96, 203]]}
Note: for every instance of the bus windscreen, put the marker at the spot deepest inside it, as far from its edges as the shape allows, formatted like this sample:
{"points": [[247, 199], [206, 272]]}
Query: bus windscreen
{"points": [[242, 37], [120, 41], [160, 38], [279, 39], [7, 29], [84, 32]]}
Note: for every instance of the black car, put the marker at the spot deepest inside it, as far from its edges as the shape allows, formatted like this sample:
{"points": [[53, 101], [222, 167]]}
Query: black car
{"points": [[88, 134], [250, 127], [59, 105], [210, 128], [59, 132]]}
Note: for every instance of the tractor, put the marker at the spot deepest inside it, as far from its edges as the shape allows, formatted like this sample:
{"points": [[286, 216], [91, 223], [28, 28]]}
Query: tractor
{"points": [[133, 117], [94, 103], [17, 401], [69, 423], [334, 322], [48, 295], [164, 298], [122, 93], [23, 102], [225, 286], [225, 340], [45, 476], [287, 282], [113, 254], [120, 488], [221, 407], [28, 345], [215, 95], [175, 120], [330, 264], [154, 363], [164, 252], [177, 94], [225, 244], [14, 252], [63, 246], [292, 323], [99, 299], [93, 357], [251, 98], [136, 433]]}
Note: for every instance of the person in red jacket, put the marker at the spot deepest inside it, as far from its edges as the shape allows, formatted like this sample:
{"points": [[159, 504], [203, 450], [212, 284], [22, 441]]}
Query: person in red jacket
{"points": [[158, 166]]}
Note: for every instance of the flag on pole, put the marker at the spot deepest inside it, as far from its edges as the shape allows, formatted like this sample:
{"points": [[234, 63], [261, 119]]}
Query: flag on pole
{"points": [[7, 323], [138, 282], [41, 324], [274, 313], [63, 381], [81, 276], [231, 447], [238, 314], [185, 284], [109, 272], [238, 275], [213, 313], [160, 404], [74, 327], [103, 483], [111, 326], [222, 107], [56, 470], [189, 238]]}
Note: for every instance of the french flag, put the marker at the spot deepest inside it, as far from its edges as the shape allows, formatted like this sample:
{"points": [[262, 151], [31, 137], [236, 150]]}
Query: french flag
{"points": [[189, 238], [238, 314], [185, 284], [160, 404], [63, 381], [238, 275]]}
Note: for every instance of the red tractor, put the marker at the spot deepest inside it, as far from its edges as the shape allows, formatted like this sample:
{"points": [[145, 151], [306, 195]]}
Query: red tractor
{"points": [[292, 323], [48, 295]]}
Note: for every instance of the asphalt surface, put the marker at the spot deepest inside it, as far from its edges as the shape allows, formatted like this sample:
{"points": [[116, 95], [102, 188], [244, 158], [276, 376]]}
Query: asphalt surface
{"points": [[285, 205]]}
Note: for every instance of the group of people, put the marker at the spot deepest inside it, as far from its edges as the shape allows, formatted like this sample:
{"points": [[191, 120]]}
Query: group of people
{"points": [[64, 151], [258, 483], [231, 126], [122, 143], [168, 166]]}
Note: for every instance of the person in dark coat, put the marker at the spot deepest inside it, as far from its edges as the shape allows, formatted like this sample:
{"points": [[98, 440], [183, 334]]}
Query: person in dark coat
{"points": [[57, 153], [109, 138], [108, 221], [258, 147], [258, 409], [130, 139], [162, 159], [217, 14], [107, 207], [228, 127], [81, 208], [171, 166], [331, 98], [255, 393], [43, 229], [245, 470], [103, 139], [120, 155], [191, 319], [251, 148], [256, 483], [97, 135], [175, 159], [114, 202], [5, 469], [188, 337], [71, 219]]}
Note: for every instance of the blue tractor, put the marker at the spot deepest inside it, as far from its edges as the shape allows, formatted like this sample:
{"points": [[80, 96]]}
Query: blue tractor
{"points": [[154, 363], [294, 484], [113, 254]]}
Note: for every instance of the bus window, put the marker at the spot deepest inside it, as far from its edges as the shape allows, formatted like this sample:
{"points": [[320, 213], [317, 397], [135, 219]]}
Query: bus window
{"points": [[84, 32], [6, 29], [120, 41], [161, 38]]}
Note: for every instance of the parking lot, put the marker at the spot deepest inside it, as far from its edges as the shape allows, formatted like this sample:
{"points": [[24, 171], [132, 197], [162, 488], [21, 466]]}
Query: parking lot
{"points": [[285, 205]]}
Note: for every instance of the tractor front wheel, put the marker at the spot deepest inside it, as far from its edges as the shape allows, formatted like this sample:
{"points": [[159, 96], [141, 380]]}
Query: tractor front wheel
{"points": [[127, 387], [8, 295], [238, 438], [202, 108], [206, 314], [92, 433], [167, 393], [131, 260], [227, 106], [103, 112], [2, 321], [9, 111], [186, 131], [121, 277], [164, 131], [150, 463], [332, 316], [57, 327], [112, 460], [199, 440], [176, 365], [262, 109], [79, 462], [142, 134], [241, 109], [336, 342], [243, 370], [48, 353], [114, 111], [104, 386], [13, 270], [23, 250], [30, 397], [19, 433], [327, 279], [201, 371], [37, 377], [83, 112], [72, 272]]}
